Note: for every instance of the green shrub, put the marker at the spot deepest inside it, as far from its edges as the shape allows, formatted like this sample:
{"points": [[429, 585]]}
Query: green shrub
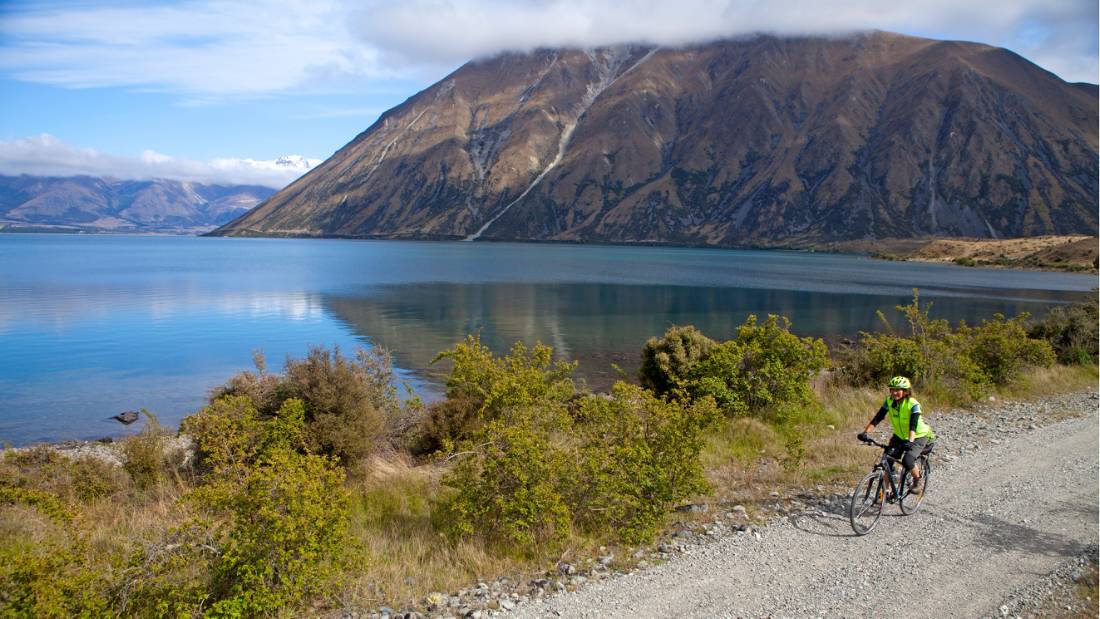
{"points": [[287, 527], [549, 464], [93, 478], [765, 367], [231, 436], [348, 402], [638, 454], [666, 362], [171, 576], [43, 570], [482, 386], [508, 490], [1001, 348], [959, 365], [1072, 332], [271, 519]]}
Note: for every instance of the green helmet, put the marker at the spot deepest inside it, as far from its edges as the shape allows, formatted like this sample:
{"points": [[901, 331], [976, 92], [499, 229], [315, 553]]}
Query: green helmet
{"points": [[900, 382]]}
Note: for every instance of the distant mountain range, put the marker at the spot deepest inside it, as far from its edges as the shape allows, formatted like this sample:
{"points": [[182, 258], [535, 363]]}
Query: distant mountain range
{"points": [[755, 141], [93, 204]]}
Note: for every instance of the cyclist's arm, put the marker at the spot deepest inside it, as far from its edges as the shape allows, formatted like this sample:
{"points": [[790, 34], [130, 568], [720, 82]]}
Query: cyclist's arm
{"points": [[879, 416], [914, 417]]}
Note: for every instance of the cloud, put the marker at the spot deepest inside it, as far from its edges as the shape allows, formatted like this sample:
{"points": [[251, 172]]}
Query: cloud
{"points": [[197, 48], [1060, 34], [208, 50], [45, 155]]}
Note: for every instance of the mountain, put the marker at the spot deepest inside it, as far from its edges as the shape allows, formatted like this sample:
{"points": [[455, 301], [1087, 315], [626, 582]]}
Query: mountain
{"points": [[99, 204], [756, 141]]}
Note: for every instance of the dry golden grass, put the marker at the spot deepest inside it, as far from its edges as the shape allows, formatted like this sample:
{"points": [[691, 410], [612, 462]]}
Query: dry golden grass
{"points": [[402, 556], [1039, 382], [946, 250]]}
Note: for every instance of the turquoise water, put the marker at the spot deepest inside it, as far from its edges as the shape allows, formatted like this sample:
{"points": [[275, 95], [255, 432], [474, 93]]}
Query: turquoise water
{"points": [[93, 325]]}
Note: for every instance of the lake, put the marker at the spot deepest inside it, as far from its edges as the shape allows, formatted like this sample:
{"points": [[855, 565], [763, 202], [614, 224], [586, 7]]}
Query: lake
{"points": [[94, 325]]}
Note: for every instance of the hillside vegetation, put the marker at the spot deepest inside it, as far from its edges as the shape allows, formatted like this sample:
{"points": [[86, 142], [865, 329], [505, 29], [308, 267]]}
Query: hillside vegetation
{"points": [[317, 489]]}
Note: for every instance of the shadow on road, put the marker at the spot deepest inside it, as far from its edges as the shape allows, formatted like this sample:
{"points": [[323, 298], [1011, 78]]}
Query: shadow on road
{"points": [[1004, 536], [827, 524]]}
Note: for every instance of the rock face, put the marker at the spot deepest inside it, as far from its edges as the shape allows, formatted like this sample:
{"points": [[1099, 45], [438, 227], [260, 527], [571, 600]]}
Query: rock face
{"points": [[761, 141], [98, 204]]}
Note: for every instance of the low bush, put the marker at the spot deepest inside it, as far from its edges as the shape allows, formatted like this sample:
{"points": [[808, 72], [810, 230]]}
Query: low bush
{"points": [[144, 457], [668, 360], [1001, 348], [508, 490], [958, 364], [1072, 332], [348, 402], [765, 368], [284, 533], [482, 386], [71, 480], [638, 454], [546, 468], [270, 519], [231, 436], [43, 570]]}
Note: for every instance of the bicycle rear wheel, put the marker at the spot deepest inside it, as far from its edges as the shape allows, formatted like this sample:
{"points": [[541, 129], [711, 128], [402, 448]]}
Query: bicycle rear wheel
{"points": [[865, 508], [910, 501]]}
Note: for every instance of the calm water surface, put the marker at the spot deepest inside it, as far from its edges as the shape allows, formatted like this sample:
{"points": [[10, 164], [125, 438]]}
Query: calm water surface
{"points": [[93, 325]]}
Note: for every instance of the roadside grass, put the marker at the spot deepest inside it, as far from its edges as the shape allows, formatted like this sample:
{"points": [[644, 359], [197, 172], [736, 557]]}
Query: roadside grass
{"points": [[402, 557], [1039, 382]]}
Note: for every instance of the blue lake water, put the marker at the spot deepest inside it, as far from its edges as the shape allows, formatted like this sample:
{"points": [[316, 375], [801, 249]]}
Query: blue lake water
{"points": [[94, 325]]}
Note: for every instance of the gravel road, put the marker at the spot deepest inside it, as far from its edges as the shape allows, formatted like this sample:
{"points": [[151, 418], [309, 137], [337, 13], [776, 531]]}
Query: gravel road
{"points": [[1003, 514]]}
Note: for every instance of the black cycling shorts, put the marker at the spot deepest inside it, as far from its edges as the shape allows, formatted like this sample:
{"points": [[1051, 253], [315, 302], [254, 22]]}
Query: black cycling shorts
{"points": [[908, 456]]}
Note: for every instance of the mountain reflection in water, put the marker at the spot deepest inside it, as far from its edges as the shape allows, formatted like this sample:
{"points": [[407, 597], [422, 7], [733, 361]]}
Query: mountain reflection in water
{"points": [[604, 324]]}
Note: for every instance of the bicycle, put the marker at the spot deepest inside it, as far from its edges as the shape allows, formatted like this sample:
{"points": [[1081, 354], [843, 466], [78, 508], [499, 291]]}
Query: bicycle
{"points": [[881, 486]]}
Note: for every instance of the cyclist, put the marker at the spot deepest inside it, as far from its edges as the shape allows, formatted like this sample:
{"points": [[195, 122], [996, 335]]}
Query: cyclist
{"points": [[911, 432]]}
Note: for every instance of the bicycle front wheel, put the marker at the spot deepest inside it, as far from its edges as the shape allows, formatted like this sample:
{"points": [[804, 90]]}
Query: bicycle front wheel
{"points": [[865, 508], [912, 495]]}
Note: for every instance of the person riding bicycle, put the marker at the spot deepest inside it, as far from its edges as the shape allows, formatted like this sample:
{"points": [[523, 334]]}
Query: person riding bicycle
{"points": [[911, 432]]}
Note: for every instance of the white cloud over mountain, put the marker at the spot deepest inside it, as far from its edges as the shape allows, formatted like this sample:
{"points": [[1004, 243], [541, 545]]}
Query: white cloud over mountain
{"points": [[205, 49], [45, 155]]}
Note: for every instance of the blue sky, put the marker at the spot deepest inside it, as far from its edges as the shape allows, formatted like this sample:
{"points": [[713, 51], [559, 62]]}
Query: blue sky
{"points": [[116, 85]]}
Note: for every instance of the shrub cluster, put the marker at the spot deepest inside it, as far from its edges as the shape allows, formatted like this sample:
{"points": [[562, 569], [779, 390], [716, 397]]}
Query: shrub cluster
{"points": [[760, 371], [348, 402], [543, 468], [482, 386], [43, 571], [964, 361], [269, 519], [1072, 332]]}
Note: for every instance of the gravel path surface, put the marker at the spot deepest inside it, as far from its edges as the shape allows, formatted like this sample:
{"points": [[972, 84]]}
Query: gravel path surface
{"points": [[1007, 511]]}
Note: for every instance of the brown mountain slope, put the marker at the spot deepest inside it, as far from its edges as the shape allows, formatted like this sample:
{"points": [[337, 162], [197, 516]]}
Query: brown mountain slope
{"points": [[748, 142]]}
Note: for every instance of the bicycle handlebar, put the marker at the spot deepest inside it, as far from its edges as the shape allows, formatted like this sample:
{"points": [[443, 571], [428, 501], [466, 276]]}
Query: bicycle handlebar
{"points": [[871, 441]]}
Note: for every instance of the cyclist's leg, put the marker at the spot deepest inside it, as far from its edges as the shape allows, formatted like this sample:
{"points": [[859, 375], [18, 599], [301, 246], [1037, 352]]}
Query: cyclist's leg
{"points": [[911, 457]]}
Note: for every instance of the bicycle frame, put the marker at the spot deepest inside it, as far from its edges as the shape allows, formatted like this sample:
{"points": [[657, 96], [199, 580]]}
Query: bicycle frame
{"points": [[885, 464]]}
